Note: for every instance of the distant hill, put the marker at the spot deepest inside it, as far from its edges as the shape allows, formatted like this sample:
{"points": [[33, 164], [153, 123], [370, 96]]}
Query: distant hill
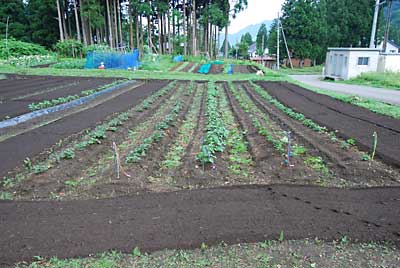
{"points": [[252, 29]]}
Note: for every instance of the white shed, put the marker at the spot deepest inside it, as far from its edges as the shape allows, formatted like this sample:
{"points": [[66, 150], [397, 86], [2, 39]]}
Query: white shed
{"points": [[346, 63]]}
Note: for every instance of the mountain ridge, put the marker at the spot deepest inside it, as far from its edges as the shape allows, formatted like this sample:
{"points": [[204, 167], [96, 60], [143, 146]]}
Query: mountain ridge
{"points": [[252, 29]]}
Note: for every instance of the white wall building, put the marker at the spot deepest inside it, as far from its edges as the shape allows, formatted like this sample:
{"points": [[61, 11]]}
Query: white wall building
{"points": [[347, 63], [391, 48]]}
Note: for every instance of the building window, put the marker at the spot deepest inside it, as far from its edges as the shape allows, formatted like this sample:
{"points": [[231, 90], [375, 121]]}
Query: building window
{"points": [[363, 60]]}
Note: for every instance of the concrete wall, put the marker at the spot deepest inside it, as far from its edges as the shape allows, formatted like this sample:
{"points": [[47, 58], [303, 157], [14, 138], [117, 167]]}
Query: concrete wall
{"points": [[389, 63], [343, 63]]}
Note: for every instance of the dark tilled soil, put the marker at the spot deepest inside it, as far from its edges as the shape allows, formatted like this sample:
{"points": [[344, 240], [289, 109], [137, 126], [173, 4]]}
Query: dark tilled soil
{"points": [[186, 219], [15, 107], [14, 150], [244, 69], [188, 67], [21, 85], [216, 69], [350, 121]]}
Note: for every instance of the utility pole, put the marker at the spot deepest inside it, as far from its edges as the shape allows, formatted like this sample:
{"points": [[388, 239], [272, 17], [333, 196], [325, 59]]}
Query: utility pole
{"points": [[277, 45], [374, 23], [387, 29], [287, 49], [8, 19]]}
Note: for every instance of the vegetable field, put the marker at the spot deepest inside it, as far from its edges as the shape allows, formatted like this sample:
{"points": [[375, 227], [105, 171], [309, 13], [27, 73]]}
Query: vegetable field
{"points": [[153, 137]]}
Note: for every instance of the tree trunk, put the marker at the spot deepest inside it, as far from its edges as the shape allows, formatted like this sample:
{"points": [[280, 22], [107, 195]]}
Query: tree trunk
{"points": [[60, 24], [194, 25], [115, 16], [169, 33], [83, 20], [64, 23], [130, 25], [137, 33], [184, 28], [159, 32], [110, 36], [173, 27], [164, 32], [141, 35], [78, 30], [119, 22]]}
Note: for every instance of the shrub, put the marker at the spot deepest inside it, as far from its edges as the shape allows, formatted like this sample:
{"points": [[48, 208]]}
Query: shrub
{"points": [[18, 48]]}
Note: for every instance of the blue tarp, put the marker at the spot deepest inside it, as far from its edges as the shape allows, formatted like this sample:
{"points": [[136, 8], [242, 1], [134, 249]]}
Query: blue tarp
{"points": [[230, 70], [178, 58], [112, 60]]}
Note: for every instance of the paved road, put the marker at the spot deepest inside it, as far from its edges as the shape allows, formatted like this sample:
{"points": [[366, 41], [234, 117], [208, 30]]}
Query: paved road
{"points": [[385, 95]]}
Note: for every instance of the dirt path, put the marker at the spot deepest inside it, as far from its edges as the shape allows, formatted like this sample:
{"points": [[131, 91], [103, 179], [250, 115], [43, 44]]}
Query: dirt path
{"points": [[350, 121], [14, 150], [186, 219]]}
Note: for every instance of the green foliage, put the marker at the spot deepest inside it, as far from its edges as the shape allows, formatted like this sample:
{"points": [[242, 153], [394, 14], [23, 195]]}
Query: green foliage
{"points": [[70, 64], [386, 80], [262, 35], [67, 154], [317, 163], [5, 196], [18, 25], [281, 236], [14, 48], [247, 39], [216, 134], [42, 19], [70, 48]]}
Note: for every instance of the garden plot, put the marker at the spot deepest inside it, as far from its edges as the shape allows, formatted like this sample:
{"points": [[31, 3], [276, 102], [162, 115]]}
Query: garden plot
{"points": [[348, 121], [16, 148], [135, 151], [187, 135], [244, 69], [23, 94]]}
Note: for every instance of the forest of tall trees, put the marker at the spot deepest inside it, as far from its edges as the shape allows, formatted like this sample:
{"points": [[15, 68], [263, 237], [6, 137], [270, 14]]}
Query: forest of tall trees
{"points": [[191, 27], [162, 26]]}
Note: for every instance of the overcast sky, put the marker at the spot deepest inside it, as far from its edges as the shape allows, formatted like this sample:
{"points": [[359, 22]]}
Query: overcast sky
{"points": [[256, 12]]}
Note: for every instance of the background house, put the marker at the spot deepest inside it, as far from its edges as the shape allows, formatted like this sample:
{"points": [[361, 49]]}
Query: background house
{"points": [[391, 48], [252, 50]]}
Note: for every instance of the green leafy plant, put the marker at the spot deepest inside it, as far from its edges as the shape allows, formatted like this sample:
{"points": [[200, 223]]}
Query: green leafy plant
{"points": [[67, 154], [216, 134]]}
